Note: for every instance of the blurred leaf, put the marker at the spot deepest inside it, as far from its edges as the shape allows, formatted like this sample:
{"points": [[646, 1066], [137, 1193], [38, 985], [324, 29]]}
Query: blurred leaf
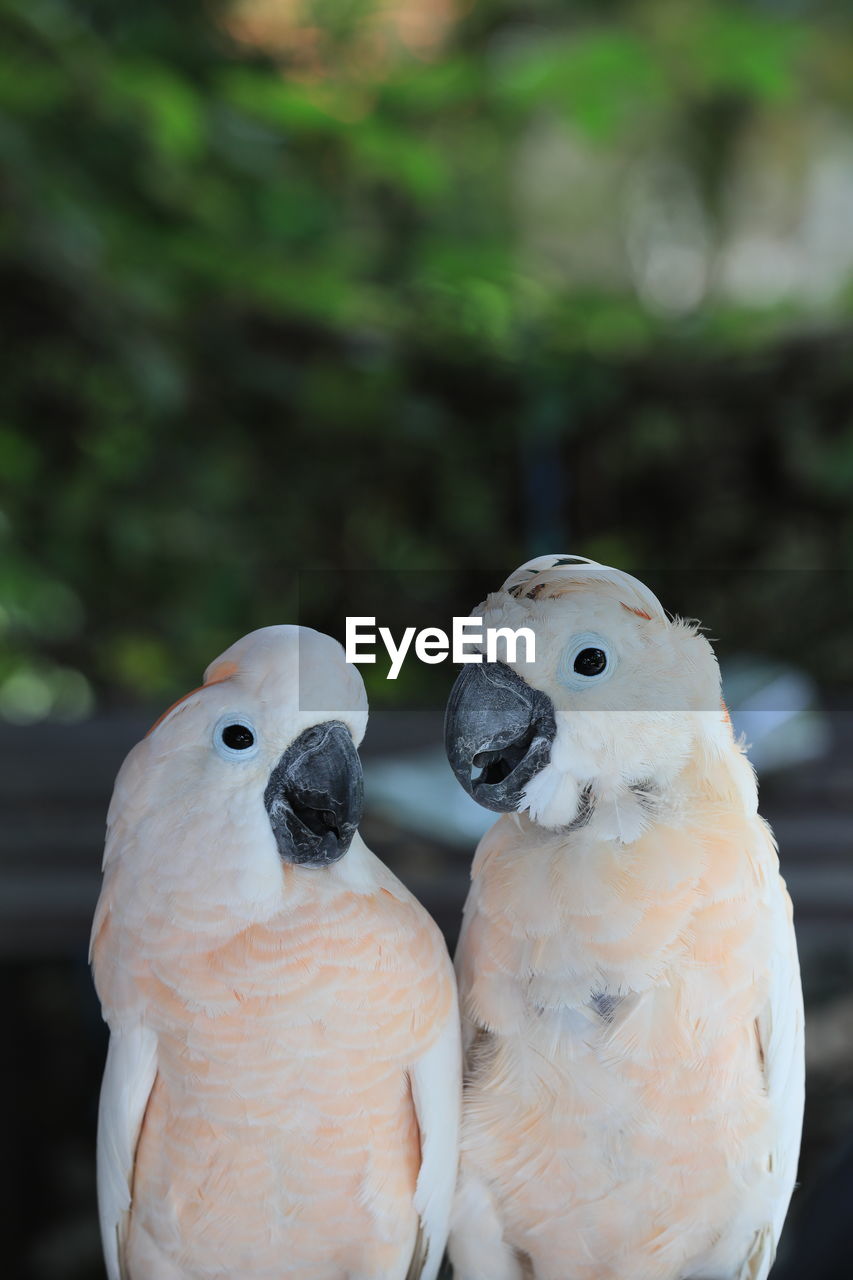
{"points": [[601, 79], [394, 154], [273, 100], [172, 111], [745, 52]]}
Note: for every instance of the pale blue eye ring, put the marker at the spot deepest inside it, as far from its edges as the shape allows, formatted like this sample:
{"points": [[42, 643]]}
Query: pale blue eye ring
{"points": [[586, 660], [235, 737]]}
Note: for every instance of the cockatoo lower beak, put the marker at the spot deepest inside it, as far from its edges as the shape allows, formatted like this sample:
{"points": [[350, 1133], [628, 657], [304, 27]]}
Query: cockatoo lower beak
{"points": [[314, 796], [498, 732]]}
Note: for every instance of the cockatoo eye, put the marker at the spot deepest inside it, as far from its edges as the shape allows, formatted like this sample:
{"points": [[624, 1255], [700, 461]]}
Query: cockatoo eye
{"points": [[590, 662], [586, 659], [235, 738], [238, 737]]}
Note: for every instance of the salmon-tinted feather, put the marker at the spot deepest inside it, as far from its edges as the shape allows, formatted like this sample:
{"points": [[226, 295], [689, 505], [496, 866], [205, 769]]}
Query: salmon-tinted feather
{"points": [[214, 675], [282, 1091], [629, 983]]}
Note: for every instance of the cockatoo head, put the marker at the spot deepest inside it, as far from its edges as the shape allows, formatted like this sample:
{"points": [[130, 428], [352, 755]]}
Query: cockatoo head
{"points": [[255, 768], [605, 716]]}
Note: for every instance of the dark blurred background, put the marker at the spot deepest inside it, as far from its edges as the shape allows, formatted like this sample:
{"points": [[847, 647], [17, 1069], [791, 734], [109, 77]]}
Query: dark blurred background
{"points": [[295, 291]]}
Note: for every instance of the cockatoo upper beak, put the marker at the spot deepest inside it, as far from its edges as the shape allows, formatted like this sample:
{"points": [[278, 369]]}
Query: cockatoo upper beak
{"points": [[500, 725], [314, 796]]}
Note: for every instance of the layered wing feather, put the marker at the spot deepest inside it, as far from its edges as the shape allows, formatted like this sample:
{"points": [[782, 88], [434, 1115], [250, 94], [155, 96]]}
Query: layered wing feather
{"points": [[436, 1082], [780, 1038], [129, 1077]]}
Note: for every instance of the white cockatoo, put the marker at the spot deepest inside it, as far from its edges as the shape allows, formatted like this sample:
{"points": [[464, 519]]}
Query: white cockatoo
{"points": [[628, 976], [282, 1089]]}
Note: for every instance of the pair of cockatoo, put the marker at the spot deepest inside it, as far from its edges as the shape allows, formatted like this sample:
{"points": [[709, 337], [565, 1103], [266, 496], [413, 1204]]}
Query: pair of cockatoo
{"points": [[282, 1089]]}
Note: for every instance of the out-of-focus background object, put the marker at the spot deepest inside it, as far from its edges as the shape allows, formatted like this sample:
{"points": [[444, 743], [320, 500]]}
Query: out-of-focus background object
{"points": [[423, 287]]}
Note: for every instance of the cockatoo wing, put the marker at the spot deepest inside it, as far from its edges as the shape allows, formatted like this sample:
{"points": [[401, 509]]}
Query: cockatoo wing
{"points": [[459, 965], [760, 1259], [780, 1034], [436, 1083], [128, 1080]]}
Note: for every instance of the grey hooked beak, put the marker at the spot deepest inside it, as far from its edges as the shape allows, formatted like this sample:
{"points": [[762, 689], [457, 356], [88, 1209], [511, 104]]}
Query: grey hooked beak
{"points": [[314, 796], [498, 732]]}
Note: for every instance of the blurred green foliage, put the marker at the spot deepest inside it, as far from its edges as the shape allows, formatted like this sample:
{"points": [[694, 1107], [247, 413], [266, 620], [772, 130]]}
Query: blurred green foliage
{"points": [[260, 316]]}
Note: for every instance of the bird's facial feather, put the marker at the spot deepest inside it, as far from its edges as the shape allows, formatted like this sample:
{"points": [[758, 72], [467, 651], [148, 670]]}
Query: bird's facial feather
{"points": [[627, 685], [203, 796]]}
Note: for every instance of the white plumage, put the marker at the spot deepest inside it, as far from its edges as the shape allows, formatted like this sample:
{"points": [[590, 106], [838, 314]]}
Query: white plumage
{"points": [[282, 1088], [628, 975]]}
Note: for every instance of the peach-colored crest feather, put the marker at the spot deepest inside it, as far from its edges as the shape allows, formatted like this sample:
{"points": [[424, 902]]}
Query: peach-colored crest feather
{"points": [[224, 671], [640, 613]]}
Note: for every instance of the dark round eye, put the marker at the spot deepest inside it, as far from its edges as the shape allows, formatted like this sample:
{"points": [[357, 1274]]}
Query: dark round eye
{"points": [[590, 662], [238, 737]]}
